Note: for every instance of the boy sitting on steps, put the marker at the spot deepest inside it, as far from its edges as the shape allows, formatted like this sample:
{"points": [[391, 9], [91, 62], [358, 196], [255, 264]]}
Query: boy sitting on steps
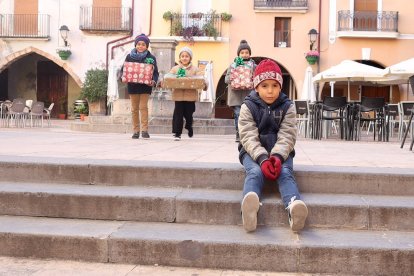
{"points": [[267, 127]]}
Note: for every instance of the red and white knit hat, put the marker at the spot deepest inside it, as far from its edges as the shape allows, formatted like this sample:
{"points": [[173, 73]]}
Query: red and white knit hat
{"points": [[267, 70]]}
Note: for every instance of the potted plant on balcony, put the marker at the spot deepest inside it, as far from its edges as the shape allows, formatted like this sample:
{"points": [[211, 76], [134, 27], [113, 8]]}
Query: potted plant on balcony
{"points": [[94, 90], [225, 16], [312, 57], [64, 52], [195, 15], [168, 15]]}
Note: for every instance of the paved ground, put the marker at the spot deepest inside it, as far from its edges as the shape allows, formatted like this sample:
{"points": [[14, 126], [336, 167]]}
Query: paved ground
{"points": [[59, 142]]}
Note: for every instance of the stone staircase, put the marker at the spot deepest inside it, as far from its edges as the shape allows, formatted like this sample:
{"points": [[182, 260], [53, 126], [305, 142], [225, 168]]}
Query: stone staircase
{"points": [[361, 221], [157, 125]]}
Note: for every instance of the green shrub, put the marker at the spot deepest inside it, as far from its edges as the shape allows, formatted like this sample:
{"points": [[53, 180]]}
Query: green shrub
{"points": [[95, 85]]}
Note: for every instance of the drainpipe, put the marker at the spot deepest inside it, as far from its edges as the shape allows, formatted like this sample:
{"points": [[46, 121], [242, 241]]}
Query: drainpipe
{"points": [[124, 37], [319, 46], [149, 32]]}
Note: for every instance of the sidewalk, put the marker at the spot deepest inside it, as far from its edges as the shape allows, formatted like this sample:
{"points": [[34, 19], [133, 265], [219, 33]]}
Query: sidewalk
{"points": [[60, 142]]}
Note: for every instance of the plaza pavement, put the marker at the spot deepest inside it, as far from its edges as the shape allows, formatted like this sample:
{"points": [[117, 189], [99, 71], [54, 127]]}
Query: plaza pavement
{"points": [[59, 143]]}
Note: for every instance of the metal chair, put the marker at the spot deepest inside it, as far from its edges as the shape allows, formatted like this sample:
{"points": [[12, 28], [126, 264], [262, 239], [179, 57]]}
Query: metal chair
{"points": [[47, 112], [333, 109], [16, 112], [393, 117], [302, 118], [372, 110], [36, 112], [405, 113]]}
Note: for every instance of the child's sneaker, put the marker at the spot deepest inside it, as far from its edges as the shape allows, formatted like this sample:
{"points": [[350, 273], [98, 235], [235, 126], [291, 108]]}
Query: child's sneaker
{"points": [[135, 135], [297, 214], [250, 207], [177, 137]]}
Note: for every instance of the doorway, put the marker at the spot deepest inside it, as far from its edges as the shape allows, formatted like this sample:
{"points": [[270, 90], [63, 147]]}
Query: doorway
{"points": [[52, 86]]}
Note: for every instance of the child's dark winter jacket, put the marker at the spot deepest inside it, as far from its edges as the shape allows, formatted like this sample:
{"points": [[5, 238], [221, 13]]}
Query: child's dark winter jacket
{"points": [[140, 88], [267, 129]]}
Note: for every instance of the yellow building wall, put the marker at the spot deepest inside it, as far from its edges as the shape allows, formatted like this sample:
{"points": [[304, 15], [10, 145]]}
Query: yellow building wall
{"points": [[216, 51]]}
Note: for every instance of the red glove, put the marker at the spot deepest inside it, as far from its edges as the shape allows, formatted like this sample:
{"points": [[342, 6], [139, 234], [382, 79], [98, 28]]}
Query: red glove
{"points": [[277, 164], [268, 169]]}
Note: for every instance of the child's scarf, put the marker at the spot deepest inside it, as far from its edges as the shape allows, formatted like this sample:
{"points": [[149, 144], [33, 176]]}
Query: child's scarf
{"points": [[135, 55]]}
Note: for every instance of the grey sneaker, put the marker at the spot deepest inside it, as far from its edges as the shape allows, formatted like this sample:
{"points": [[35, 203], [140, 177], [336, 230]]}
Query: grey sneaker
{"points": [[297, 214], [249, 207], [145, 135], [135, 135]]}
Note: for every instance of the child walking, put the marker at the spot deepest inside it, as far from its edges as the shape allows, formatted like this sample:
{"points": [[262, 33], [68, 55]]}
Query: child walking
{"points": [[267, 126], [139, 92], [184, 98], [235, 97]]}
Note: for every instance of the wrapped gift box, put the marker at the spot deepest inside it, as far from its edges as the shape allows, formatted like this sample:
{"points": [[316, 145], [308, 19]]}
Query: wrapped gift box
{"points": [[172, 82], [241, 78], [137, 72]]}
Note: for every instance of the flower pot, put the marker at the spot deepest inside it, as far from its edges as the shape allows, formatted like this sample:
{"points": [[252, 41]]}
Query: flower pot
{"points": [[62, 116], [312, 59], [82, 117], [64, 55]]}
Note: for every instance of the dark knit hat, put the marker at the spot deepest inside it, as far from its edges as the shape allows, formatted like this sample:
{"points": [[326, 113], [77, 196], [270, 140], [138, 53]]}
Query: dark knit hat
{"points": [[243, 45], [267, 70], [142, 37]]}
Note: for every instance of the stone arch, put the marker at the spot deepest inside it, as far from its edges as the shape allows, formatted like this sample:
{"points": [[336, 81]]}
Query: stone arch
{"points": [[19, 54]]}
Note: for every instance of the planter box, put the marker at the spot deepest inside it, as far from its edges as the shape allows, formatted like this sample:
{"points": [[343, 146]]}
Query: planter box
{"points": [[137, 72], [172, 82], [241, 78]]}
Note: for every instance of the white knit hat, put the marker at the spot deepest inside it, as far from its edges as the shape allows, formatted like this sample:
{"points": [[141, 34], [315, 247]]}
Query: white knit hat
{"points": [[188, 50]]}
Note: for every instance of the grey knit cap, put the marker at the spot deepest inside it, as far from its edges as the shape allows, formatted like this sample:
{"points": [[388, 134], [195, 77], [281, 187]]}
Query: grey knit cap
{"points": [[243, 45]]}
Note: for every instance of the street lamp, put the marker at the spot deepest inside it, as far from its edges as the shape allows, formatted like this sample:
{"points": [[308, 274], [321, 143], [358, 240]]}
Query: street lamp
{"points": [[313, 36], [64, 33]]}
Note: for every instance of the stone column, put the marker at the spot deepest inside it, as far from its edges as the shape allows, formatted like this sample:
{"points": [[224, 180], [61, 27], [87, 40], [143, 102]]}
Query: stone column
{"points": [[164, 51], [160, 104]]}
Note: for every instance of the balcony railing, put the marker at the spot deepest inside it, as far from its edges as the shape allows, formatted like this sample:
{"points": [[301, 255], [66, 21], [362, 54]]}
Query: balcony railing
{"points": [[24, 26], [368, 21], [105, 19], [275, 4], [196, 24]]}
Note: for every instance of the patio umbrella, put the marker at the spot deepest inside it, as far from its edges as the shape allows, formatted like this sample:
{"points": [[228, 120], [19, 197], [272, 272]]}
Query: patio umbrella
{"points": [[308, 89], [403, 69], [349, 71]]}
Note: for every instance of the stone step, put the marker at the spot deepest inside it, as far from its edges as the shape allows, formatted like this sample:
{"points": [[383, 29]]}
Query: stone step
{"points": [[157, 125], [311, 179], [201, 206], [209, 246]]}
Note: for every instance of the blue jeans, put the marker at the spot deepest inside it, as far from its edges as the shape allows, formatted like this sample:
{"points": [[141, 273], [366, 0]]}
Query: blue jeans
{"points": [[236, 110], [255, 179]]}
